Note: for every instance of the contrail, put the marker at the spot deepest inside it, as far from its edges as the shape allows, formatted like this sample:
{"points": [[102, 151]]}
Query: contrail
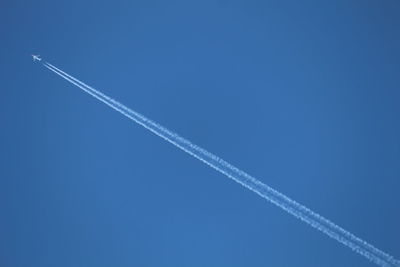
{"points": [[292, 207]]}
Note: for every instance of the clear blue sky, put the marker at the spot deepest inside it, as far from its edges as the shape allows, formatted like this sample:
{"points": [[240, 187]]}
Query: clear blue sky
{"points": [[304, 95]]}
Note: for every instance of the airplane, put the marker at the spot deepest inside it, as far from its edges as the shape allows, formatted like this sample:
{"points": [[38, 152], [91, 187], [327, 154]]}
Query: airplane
{"points": [[36, 57]]}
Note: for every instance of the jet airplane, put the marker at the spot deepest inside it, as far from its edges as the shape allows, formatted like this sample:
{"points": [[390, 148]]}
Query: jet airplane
{"points": [[36, 57]]}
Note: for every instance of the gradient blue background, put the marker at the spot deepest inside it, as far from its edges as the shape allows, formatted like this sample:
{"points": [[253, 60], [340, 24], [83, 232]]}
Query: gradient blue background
{"points": [[304, 95]]}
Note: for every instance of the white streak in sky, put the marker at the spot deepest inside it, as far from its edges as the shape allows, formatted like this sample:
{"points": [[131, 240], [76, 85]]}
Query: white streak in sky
{"points": [[292, 207]]}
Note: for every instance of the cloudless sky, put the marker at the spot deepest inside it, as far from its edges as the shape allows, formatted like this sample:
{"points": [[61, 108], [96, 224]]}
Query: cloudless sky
{"points": [[304, 95]]}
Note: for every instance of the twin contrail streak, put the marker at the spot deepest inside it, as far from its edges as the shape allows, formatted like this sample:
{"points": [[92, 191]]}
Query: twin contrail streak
{"points": [[292, 207]]}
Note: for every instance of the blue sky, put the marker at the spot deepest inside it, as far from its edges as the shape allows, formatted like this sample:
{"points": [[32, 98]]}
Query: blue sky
{"points": [[304, 96]]}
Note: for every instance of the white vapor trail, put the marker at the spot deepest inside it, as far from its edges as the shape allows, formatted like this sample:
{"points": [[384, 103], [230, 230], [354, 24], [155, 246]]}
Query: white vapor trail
{"points": [[292, 207]]}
